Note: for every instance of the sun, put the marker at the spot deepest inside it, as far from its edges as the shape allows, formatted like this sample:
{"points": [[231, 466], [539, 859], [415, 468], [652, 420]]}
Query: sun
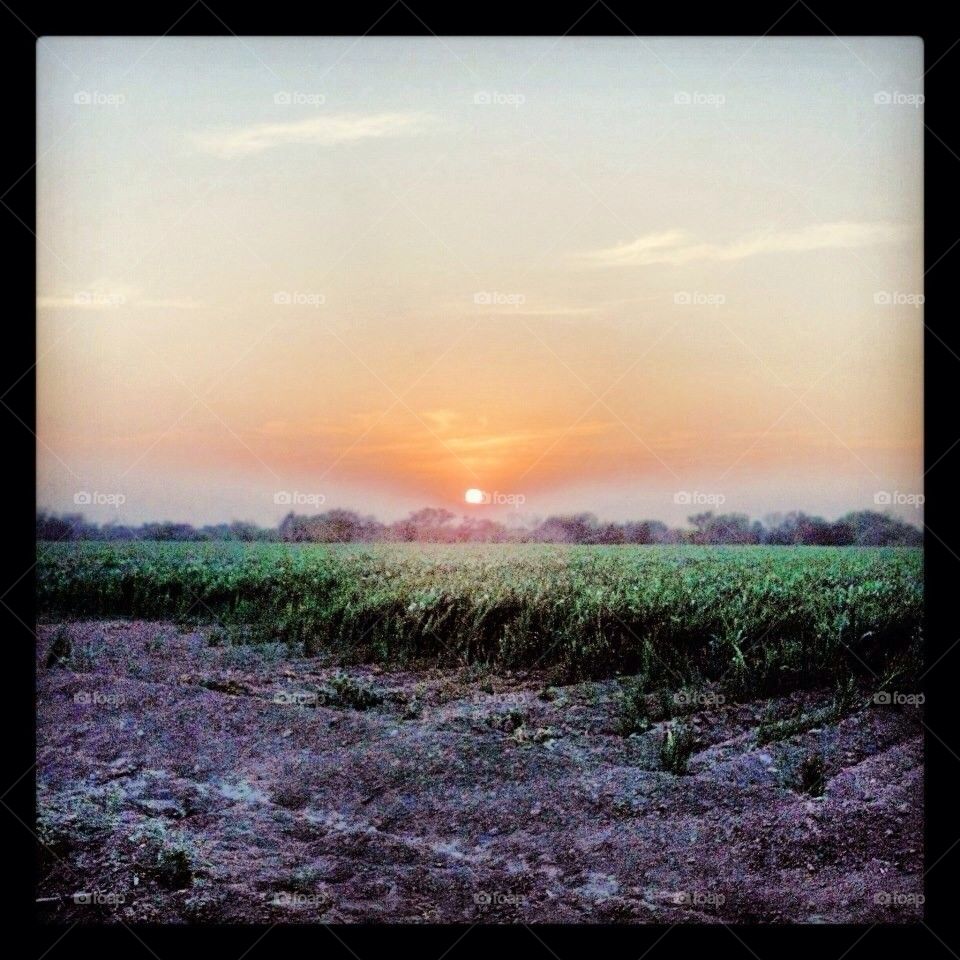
{"points": [[473, 495]]}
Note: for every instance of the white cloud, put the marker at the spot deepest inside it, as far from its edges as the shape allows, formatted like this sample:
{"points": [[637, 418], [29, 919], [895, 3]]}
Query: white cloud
{"points": [[325, 130], [676, 247]]}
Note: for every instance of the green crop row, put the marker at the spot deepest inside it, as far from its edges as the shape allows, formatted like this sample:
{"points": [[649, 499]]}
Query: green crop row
{"points": [[764, 618]]}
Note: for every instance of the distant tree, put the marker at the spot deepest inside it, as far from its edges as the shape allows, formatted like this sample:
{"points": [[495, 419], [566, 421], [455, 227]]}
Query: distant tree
{"points": [[645, 531], [438, 525], [872, 529], [574, 528]]}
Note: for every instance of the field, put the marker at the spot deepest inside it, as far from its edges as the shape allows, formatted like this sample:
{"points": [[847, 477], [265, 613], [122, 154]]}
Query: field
{"points": [[399, 732], [763, 617]]}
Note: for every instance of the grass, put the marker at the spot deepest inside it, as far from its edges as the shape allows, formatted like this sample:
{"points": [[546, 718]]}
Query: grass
{"points": [[846, 700], [342, 690], [634, 716], [759, 619], [676, 748], [170, 856]]}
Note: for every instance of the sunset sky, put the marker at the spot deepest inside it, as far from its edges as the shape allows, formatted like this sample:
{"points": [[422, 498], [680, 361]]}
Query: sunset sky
{"points": [[600, 274]]}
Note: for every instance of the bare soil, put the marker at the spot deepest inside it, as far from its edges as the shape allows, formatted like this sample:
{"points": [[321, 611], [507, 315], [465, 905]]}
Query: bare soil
{"points": [[181, 782]]}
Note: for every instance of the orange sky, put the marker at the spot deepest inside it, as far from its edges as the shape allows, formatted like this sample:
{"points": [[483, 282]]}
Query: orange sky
{"points": [[598, 296]]}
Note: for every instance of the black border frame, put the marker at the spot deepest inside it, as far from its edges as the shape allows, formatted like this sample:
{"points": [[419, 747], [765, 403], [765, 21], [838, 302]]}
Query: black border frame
{"points": [[926, 19]]}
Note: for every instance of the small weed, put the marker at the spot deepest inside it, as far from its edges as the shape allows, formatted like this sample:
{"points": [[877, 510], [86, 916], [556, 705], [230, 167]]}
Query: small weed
{"points": [[80, 657], [544, 735], [169, 856], [343, 690], [634, 714], [676, 748], [61, 648], [508, 721], [155, 644]]}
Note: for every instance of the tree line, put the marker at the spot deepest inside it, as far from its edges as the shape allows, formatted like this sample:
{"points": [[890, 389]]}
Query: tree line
{"points": [[864, 528]]}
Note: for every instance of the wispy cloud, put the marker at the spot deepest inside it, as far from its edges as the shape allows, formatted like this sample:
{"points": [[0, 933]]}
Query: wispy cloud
{"points": [[677, 247], [102, 295], [324, 130]]}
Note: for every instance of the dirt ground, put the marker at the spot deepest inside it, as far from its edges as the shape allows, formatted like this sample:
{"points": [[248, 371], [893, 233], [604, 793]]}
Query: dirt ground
{"points": [[180, 781]]}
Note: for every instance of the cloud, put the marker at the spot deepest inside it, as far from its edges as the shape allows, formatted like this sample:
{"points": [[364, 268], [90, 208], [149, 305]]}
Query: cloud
{"points": [[676, 247], [324, 130]]}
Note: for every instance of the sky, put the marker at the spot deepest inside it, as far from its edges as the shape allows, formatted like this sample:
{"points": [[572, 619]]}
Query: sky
{"points": [[637, 276]]}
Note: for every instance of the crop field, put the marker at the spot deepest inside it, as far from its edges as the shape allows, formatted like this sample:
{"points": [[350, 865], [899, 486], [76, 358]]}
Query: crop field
{"points": [[354, 733], [766, 617]]}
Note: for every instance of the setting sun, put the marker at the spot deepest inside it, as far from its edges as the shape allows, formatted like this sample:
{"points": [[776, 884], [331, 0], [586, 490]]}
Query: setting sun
{"points": [[473, 495]]}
